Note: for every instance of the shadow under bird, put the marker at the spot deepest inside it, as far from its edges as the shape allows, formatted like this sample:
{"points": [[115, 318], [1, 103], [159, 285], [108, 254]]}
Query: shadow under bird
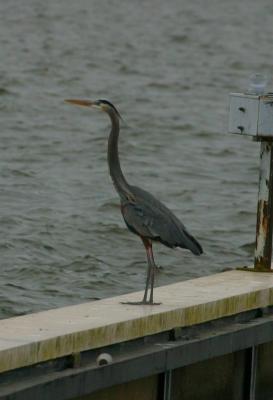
{"points": [[143, 214]]}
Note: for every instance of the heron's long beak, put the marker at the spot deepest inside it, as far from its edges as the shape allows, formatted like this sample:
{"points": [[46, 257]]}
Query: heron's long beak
{"points": [[84, 103]]}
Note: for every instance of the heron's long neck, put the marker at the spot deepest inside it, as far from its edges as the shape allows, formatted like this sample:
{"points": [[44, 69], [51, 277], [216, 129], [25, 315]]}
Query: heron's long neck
{"points": [[117, 176]]}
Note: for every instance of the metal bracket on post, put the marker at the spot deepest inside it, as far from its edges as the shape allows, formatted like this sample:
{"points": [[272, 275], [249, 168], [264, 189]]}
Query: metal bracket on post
{"points": [[253, 115]]}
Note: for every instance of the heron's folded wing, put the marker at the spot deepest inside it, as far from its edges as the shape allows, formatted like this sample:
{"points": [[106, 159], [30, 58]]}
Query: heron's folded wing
{"points": [[158, 223], [154, 223], [139, 220]]}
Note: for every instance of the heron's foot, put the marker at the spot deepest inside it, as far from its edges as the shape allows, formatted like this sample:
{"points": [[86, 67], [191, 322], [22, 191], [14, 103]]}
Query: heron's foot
{"points": [[140, 303]]}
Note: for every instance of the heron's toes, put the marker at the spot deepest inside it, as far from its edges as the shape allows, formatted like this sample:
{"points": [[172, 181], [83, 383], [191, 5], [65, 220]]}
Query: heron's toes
{"points": [[140, 303]]}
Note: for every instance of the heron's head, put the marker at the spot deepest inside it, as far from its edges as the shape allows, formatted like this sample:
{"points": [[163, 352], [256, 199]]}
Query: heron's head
{"points": [[102, 105]]}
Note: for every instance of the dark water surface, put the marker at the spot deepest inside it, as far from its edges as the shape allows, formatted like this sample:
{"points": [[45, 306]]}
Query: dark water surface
{"points": [[168, 67]]}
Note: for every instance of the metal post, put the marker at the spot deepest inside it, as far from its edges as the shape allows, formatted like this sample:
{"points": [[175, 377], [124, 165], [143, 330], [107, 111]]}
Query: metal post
{"points": [[252, 114], [263, 250], [167, 384], [253, 374]]}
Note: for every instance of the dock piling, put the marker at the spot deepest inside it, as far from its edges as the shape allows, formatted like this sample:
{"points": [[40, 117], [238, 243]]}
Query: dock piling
{"points": [[252, 115]]}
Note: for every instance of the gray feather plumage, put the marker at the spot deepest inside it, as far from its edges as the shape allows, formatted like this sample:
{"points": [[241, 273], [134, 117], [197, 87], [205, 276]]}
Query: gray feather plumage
{"points": [[149, 218]]}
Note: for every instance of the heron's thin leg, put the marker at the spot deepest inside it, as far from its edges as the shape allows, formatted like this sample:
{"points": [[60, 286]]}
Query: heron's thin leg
{"points": [[150, 276], [152, 268], [149, 269], [151, 300], [152, 273], [147, 245]]}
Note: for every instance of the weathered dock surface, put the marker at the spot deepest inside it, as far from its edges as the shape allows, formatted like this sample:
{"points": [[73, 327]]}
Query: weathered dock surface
{"points": [[35, 338]]}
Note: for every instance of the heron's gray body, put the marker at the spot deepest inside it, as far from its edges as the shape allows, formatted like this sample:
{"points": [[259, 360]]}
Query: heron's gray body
{"points": [[151, 219]]}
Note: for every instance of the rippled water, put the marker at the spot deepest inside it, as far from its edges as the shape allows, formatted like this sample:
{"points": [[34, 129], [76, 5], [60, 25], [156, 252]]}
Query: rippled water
{"points": [[168, 67]]}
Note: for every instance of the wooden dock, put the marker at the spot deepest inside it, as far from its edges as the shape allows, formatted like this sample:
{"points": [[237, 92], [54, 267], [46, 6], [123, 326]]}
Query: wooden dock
{"points": [[55, 353]]}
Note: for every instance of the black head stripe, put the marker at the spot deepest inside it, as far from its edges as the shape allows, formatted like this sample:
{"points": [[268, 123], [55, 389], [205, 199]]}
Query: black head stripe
{"points": [[101, 101]]}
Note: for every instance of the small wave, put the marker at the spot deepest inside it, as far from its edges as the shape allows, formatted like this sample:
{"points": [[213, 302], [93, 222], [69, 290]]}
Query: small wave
{"points": [[20, 172], [109, 206], [180, 38], [4, 91], [248, 247]]}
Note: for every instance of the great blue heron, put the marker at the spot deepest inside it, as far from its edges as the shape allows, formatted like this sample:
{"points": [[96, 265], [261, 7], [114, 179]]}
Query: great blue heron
{"points": [[143, 214]]}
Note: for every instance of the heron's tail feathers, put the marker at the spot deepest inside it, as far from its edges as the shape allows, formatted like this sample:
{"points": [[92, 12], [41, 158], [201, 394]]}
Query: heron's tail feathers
{"points": [[196, 248], [191, 244]]}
